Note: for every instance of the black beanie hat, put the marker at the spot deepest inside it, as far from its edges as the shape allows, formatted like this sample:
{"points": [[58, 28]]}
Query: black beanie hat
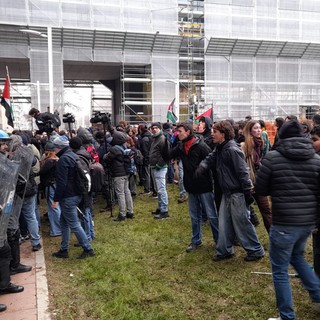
{"points": [[75, 143], [156, 124], [290, 129], [166, 126]]}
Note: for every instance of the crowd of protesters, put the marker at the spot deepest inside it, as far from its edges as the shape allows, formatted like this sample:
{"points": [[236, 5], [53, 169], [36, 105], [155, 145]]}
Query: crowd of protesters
{"points": [[223, 169]]}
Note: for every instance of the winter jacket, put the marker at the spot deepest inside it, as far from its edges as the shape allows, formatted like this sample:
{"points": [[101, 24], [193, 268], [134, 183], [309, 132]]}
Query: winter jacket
{"points": [[65, 173], [144, 146], [197, 152], [159, 148], [229, 167], [48, 172], [291, 175]]}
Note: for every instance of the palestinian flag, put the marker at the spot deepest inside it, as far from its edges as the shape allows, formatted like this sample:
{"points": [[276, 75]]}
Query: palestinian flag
{"points": [[5, 101], [170, 114], [208, 113]]}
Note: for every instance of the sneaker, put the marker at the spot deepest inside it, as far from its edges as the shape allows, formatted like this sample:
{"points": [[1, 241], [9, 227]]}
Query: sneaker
{"points": [[146, 193], [274, 318], [129, 215], [192, 247], [182, 199], [154, 195], [162, 215], [61, 254], [119, 218], [222, 257], [252, 258], [36, 247], [86, 254], [316, 306]]}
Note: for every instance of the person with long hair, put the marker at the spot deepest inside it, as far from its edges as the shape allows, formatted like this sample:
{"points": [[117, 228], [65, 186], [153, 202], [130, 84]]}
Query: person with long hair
{"points": [[48, 181], [254, 151]]}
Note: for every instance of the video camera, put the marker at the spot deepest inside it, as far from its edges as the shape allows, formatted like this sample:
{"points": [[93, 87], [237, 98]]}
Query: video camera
{"points": [[68, 118], [102, 117]]}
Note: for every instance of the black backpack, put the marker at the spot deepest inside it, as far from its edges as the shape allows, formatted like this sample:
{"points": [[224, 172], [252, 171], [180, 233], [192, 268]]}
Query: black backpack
{"points": [[82, 178]]}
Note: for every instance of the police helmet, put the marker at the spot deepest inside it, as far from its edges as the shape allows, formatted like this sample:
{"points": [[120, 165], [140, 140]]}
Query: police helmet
{"points": [[4, 135]]}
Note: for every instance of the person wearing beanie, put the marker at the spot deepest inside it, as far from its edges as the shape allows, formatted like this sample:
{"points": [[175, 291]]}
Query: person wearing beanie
{"points": [[68, 197], [159, 167], [75, 143], [61, 142], [290, 175], [118, 164], [291, 129]]}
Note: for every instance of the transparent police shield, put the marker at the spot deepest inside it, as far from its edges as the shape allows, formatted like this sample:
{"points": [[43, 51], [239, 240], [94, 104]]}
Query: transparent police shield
{"points": [[8, 180], [24, 156]]}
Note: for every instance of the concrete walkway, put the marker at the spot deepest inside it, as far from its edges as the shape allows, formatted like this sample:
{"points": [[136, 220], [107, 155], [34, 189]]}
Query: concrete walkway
{"points": [[33, 302]]}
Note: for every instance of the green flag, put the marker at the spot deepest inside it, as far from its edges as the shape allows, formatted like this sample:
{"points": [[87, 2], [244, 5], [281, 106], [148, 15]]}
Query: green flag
{"points": [[170, 114]]}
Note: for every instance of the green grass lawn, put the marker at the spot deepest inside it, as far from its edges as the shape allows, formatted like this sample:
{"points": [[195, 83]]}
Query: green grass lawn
{"points": [[141, 271]]}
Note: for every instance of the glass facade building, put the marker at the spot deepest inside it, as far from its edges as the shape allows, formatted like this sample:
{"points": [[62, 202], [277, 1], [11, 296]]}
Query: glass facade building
{"points": [[257, 57]]}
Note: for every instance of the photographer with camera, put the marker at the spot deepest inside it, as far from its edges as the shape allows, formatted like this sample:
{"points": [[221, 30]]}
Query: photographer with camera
{"points": [[46, 121]]}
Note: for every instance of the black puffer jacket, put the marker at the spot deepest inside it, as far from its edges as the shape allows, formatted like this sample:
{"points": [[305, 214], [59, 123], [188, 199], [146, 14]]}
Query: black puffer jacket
{"points": [[114, 158], [291, 175], [197, 152]]}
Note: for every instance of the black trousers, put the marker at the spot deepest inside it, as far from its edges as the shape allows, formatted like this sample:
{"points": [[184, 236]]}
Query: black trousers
{"points": [[13, 241], [316, 251], [5, 258]]}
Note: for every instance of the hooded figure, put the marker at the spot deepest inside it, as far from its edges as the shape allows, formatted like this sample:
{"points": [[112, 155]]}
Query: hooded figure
{"points": [[204, 130]]}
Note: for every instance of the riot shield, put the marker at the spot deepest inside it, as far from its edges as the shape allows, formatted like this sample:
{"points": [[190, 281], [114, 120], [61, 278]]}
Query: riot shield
{"points": [[8, 180], [25, 157]]}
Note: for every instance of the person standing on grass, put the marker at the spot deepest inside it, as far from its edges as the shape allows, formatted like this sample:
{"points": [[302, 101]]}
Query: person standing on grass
{"points": [[144, 144], [159, 168], [67, 195], [232, 174], [291, 176], [48, 181], [315, 136], [115, 160], [254, 151], [191, 149]]}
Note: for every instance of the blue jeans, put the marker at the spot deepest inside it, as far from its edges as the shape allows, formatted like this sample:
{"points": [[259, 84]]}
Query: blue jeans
{"points": [[160, 181], [87, 224], [287, 245], [182, 190], [234, 222], [196, 202], [28, 211], [69, 221], [53, 214]]}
